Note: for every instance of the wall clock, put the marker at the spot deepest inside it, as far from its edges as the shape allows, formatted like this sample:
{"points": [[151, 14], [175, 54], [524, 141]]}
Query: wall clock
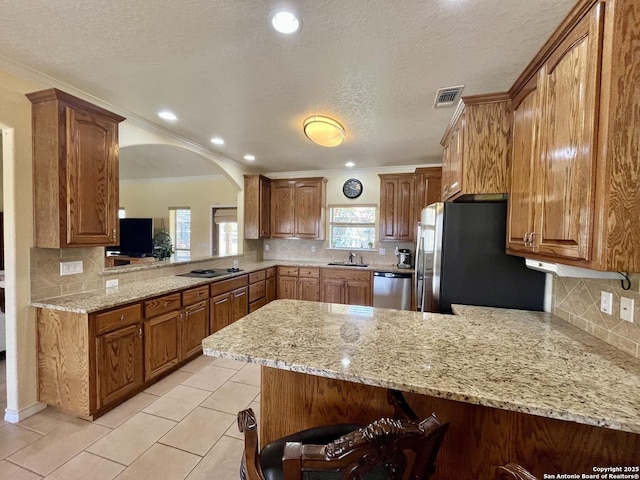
{"points": [[352, 188]]}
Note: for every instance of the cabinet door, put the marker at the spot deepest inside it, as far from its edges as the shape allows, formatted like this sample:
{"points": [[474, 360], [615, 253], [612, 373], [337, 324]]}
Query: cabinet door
{"points": [[93, 174], [404, 218], [161, 343], [308, 289], [571, 84], [358, 292], [270, 289], [396, 207], [332, 290], [257, 206], [287, 287], [282, 208], [119, 368], [308, 209], [195, 327], [388, 190], [265, 208], [220, 312], [239, 303], [524, 168], [452, 171]]}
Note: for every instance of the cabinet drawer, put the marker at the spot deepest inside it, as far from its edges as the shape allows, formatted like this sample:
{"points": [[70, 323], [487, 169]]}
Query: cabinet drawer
{"points": [[189, 297], [309, 272], [257, 290], [227, 285], [158, 306], [253, 306], [118, 318], [288, 271], [271, 272], [344, 274], [257, 276]]}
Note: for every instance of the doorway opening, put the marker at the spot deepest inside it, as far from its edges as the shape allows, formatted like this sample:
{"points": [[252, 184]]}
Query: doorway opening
{"points": [[224, 231]]}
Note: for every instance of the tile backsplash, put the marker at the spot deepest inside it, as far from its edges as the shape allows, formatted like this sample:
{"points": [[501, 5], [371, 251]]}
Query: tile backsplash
{"points": [[285, 249], [577, 301]]}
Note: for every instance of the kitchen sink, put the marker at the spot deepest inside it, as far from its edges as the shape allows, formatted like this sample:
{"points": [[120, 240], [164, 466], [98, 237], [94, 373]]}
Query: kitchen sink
{"points": [[347, 264]]}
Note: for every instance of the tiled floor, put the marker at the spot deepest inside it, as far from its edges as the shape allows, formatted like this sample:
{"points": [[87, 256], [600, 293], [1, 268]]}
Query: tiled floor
{"points": [[183, 427]]}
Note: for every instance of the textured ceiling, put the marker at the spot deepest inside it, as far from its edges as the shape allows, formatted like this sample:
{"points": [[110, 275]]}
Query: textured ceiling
{"points": [[374, 65]]}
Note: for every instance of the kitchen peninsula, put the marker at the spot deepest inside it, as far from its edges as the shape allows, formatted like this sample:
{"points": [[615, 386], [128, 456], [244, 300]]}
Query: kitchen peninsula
{"points": [[515, 385]]}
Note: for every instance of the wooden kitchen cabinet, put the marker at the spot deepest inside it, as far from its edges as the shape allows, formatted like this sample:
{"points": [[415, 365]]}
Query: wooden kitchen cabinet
{"points": [[287, 283], [119, 364], [428, 190], [229, 302], [271, 285], [346, 286], [298, 208], [476, 147], [75, 171], [257, 290], [162, 332], [195, 321], [257, 207], [309, 284], [586, 201], [397, 196]]}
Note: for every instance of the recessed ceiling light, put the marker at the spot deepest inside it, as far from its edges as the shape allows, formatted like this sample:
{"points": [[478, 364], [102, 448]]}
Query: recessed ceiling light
{"points": [[167, 115], [217, 141], [285, 21], [349, 164], [249, 158]]}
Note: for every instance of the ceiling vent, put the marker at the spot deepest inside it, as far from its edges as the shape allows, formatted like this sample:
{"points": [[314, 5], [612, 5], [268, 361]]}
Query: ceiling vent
{"points": [[448, 96]]}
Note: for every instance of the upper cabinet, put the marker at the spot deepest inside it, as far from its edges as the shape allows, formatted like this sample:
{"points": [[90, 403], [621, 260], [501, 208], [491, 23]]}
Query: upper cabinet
{"points": [[476, 147], [577, 128], [75, 171], [257, 207], [298, 208], [397, 196]]}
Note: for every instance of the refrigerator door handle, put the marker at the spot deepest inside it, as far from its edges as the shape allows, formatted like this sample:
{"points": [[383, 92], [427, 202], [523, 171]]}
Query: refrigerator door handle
{"points": [[419, 274]]}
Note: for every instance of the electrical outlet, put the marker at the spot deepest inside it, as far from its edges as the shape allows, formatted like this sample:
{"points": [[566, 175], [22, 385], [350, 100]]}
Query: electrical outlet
{"points": [[382, 251], [71, 268], [266, 247], [235, 264], [606, 302], [111, 283], [626, 309], [313, 249]]}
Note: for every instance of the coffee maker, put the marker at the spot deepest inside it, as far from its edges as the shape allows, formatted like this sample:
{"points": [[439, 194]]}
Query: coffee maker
{"points": [[404, 257]]}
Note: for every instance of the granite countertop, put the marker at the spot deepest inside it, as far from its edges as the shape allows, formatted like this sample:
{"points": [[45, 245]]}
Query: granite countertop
{"points": [[96, 300], [530, 362]]}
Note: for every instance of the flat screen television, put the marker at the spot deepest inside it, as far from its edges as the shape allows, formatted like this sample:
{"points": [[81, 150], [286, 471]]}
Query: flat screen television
{"points": [[136, 237]]}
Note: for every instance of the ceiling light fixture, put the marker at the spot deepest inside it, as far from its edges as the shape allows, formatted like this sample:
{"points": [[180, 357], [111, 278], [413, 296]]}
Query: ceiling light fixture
{"points": [[324, 131], [167, 116], [249, 158], [285, 21], [349, 164], [217, 141]]}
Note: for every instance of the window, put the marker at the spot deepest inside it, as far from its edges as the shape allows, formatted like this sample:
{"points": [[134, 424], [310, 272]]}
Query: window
{"points": [[352, 228], [180, 231], [224, 239]]}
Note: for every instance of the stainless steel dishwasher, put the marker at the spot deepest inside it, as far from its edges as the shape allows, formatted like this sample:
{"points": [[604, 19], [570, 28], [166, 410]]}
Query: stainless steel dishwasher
{"points": [[392, 290]]}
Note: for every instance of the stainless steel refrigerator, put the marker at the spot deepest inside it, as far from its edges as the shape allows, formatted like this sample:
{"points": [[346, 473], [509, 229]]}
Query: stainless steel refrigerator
{"points": [[460, 258]]}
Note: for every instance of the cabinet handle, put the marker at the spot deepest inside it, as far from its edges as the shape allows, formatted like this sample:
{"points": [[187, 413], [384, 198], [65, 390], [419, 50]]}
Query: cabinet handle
{"points": [[122, 317], [454, 185], [113, 234], [446, 188], [531, 239], [525, 239], [140, 333], [166, 302]]}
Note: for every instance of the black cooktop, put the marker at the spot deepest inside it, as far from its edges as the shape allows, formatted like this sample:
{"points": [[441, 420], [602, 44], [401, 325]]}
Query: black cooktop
{"points": [[210, 273]]}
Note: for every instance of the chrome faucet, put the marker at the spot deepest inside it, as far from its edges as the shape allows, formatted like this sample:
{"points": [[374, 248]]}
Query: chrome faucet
{"points": [[352, 257]]}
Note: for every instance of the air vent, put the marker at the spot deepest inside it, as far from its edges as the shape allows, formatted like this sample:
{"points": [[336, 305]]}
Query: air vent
{"points": [[448, 96]]}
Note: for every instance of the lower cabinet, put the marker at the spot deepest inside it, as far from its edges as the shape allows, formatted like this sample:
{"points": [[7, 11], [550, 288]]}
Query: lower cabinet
{"points": [[229, 302], [287, 283], [349, 287], [162, 331], [195, 327], [271, 284], [119, 365], [309, 284]]}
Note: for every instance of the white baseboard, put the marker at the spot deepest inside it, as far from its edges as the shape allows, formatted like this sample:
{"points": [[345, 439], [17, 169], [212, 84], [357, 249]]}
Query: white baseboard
{"points": [[14, 416]]}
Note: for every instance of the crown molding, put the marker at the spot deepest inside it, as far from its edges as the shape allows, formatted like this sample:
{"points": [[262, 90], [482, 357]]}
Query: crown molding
{"points": [[350, 171]]}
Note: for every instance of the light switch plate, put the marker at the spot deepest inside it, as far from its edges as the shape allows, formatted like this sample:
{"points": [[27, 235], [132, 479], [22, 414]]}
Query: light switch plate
{"points": [[111, 283], [626, 309], [606, 302], [382, 251]]}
